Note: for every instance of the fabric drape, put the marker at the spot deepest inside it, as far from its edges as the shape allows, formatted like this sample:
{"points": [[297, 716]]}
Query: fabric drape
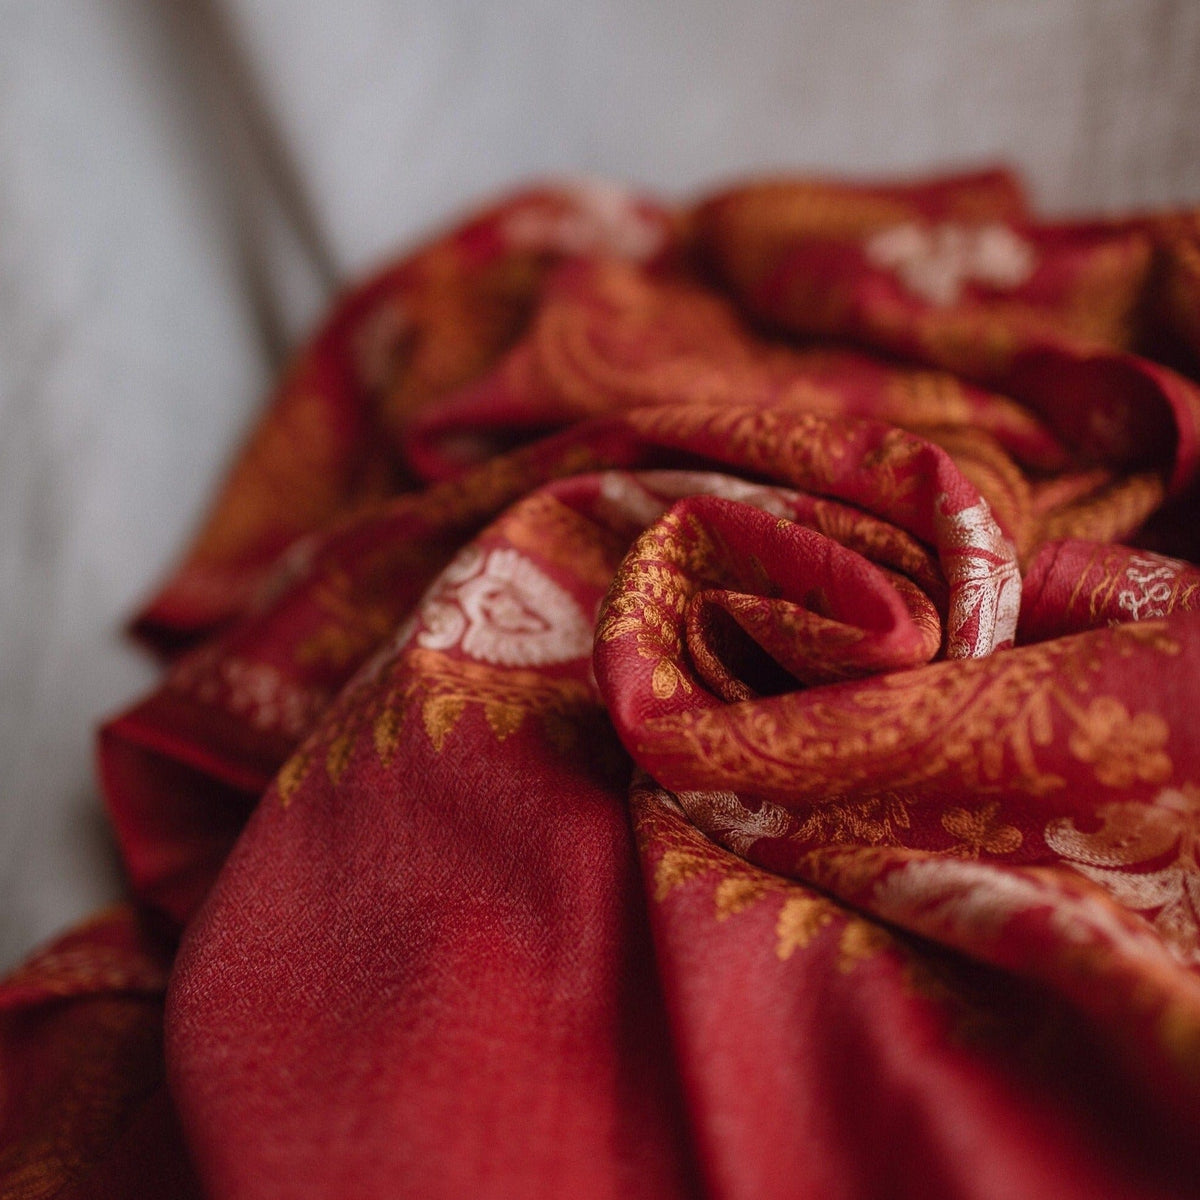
{"points": [[671, 701]]}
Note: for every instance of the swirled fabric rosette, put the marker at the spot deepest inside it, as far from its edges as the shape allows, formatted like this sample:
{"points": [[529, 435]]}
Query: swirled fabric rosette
{"points": [[670, 702]]}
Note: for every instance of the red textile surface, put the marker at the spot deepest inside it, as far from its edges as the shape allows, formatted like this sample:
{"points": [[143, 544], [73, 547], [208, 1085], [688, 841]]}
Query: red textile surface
{"points": [[671, 703]]}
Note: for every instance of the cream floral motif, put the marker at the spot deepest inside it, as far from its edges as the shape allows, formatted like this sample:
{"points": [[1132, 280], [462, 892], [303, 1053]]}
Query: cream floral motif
{"points": [[498, 607], [683, 853], [961, 898], [965, 902], [1151, 583], [677, 484], [722, 816], [624, 498], [644, 497], [1133, 834], [600, 218], [981, 561], [257, 691], [936, 262]]}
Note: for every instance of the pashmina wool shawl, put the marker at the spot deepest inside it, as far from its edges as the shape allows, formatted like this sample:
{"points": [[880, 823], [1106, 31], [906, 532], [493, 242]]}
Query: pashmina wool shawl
{"points": [[670, 701]]}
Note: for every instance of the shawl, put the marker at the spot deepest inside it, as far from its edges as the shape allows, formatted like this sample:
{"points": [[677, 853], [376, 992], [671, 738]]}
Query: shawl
{"points": [[670, 701]]}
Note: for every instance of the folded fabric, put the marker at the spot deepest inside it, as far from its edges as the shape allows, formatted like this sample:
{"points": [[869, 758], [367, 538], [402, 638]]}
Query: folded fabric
{"points": [[671, 702]]}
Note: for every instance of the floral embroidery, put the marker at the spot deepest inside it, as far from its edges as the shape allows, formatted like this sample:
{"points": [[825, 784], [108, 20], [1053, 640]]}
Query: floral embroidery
{"points": [[876, 820], [980, 832], [1105, 957], [980, 561], [644, 497], [500, 608], [1151, 585], [661, 820], [440, 688], [625, 499], [574, 545], [650, 594], [819, 454], [963, 901], [971, 904], [599, 217], [723, 816], [1121, 749], [437, 689], [977, 722], [257, 691], [361, 609], [1132, 834], [800, 920], [936, 262]]}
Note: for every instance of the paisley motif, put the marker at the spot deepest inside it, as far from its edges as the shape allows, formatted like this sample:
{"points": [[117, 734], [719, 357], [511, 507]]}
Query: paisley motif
{"points": [[501, 608]]}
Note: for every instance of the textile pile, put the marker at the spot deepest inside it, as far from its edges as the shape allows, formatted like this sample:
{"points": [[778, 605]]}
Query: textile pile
{"points": [[671, 702]]}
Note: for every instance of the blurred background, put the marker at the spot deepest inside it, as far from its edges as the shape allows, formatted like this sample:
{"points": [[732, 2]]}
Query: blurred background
{"points": [[184, 182]]}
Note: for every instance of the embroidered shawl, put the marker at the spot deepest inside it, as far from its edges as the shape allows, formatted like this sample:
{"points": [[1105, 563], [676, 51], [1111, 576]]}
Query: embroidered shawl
{"points": [[670, 701]]}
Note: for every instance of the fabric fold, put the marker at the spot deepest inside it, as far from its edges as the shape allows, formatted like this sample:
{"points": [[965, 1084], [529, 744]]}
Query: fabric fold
{"points": [[671, 701]]}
